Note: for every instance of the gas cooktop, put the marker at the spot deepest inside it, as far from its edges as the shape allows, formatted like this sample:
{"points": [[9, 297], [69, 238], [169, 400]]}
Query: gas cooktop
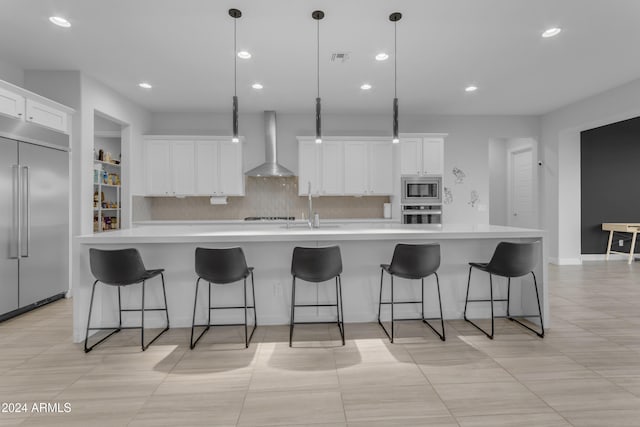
{"points": [[270, 218]]}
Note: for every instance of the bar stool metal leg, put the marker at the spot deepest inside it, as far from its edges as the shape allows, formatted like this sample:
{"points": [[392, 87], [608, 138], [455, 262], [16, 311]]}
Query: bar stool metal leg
{"points": [[193, 323], [426, 321], [293, 311], [541, 333], [339, 310], [490, 336], [89, 328]]}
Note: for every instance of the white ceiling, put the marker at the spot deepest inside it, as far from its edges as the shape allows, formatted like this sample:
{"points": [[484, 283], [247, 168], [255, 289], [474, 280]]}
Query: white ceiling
{"points": [[185, 49]]}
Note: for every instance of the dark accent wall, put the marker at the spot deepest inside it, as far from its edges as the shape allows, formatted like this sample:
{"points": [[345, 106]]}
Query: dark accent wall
{"points": [[610, 182]]}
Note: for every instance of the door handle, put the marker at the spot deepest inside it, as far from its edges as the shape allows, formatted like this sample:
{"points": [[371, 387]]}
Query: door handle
{"points": [[27, 213], [17, 213]]}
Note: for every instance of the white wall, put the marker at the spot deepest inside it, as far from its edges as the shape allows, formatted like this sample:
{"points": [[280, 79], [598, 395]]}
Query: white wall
{"points": [[465, 146], [11, 73], [560, 149], [498, 181]]}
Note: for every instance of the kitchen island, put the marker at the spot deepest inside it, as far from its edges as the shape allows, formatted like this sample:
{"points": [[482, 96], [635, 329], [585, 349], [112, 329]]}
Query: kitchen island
{"points": [[268, 248]]}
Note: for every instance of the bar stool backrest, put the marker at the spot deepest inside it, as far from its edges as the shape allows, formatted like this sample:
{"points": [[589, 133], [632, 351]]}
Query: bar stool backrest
{"points": [[118, 267], [221, 266], [514, 259], [415, 261], [316, 264]]}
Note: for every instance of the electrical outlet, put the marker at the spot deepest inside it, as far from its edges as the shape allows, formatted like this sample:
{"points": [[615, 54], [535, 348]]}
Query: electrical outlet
{"points": [[620, 242]]}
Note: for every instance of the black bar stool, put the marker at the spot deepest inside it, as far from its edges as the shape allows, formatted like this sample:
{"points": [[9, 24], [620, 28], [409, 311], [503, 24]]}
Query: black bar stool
{"points": [[412, 262], [317, 265], [221, 267], [509, 260], [120, 268]]}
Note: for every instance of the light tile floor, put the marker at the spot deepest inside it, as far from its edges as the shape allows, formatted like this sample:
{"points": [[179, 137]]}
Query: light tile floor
{"points": [[585, 372]]}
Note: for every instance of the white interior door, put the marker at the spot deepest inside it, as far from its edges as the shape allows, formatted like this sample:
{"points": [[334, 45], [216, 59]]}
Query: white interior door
{"points": [[521, 194]]}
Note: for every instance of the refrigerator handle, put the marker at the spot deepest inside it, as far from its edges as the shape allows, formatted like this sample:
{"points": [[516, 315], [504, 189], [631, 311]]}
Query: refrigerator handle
{"points": [[17, 219], [27, 189], [25, 214]]}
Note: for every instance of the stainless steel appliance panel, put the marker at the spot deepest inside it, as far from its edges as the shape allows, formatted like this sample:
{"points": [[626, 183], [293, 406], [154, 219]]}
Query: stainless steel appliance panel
{"points": [[421, 189], [45, 223], [8, 225]]}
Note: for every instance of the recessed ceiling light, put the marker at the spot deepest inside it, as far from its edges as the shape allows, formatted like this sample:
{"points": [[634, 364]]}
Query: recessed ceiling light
{"points": [[60, 21], [257, 86], [145, 85], [471, 88], [244, 54], [365, 86], [551, 32], [382, 56]]}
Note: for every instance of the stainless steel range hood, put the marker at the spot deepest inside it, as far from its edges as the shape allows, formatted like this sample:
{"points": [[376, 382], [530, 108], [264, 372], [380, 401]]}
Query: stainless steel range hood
{"points": [[271, 167]]}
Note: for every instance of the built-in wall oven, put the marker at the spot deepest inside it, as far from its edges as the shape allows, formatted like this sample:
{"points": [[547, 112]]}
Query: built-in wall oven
{"points": [[421, 190], [421, 200]]}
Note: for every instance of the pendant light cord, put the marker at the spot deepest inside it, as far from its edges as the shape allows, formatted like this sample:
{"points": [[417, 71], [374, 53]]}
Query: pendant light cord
{"points": [[318, 56], [235, 60], [395, 59]]}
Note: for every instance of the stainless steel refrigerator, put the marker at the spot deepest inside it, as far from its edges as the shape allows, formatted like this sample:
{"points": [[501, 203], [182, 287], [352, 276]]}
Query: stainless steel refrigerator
{"points": [[34, 216]]}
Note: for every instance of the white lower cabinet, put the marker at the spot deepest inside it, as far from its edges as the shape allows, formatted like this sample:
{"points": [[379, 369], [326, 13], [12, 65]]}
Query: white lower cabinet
{"points": [[345, 167], [204, 167]]}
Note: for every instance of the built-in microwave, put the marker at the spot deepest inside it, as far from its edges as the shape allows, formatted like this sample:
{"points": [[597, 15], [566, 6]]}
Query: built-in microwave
{"points": [[418, 190]]}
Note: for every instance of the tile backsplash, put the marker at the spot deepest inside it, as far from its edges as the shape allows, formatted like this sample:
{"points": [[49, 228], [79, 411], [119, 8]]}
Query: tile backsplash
{"points": [[263, 197]]}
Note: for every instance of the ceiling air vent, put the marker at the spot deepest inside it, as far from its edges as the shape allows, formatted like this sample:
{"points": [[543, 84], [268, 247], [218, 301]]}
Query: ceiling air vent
{"points": [[339, 57]]}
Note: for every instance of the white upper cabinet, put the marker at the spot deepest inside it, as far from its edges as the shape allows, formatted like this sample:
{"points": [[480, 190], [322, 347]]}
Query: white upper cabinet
{"points": [[230, 176], [158, 163], [333, 168], [207, 159], [184, 167], [45, 115], [356, 168], [380, 168], [422, 156], [345, 167], [21, 104], [433, 156], [183, 162], [11, 104], [309, 167]]}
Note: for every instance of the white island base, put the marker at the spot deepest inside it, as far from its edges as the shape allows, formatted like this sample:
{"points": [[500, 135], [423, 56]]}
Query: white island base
{"points": [[268, 248]]}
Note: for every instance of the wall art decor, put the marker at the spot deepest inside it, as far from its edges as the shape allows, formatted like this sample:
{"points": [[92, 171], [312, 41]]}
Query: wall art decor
{"points": [[474, 199], [459, 175], [448, 196]]}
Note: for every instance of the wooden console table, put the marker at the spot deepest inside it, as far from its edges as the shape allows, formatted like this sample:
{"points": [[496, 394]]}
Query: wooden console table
{"points": [[620, 227]]}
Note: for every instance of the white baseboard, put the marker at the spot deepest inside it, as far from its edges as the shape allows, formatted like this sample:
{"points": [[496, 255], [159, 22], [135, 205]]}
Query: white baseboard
{"points": [[601, 257]]}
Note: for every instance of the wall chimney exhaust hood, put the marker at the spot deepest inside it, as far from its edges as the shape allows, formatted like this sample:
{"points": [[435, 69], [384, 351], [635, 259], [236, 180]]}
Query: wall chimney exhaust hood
{"points": [[270, 168]]}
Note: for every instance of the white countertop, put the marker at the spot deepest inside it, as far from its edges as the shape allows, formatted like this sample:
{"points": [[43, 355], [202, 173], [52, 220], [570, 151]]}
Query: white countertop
{"points": [[252, 232], [268, 222]]}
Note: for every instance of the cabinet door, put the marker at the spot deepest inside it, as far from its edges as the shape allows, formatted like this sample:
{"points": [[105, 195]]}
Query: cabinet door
{"points": [[207, 165], [183, 158], [432, 156], [11, 104], [308, 167], [380, 168], [230, 174], [411, 156], [355, 168], [332, 168], [158, 162], [44, 115]]}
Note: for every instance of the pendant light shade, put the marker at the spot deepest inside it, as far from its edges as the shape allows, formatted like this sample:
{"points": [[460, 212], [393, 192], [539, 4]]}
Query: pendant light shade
{"points": [[395, 17], [235, 14], [318, 15]]}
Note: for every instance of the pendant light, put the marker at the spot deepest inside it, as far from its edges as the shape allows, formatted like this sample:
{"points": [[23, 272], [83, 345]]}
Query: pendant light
{"points": [[235, 14], [318, 15], [395, 17]]}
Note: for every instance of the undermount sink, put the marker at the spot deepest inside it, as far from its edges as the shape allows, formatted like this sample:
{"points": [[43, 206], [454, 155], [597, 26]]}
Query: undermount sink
{"points": [[303, 226]]}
